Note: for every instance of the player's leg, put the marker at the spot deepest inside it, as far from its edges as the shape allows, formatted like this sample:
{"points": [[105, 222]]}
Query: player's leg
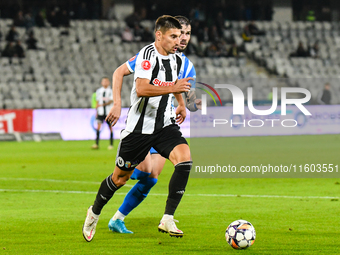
{"points": [[132, 199], [111, 137], [177, 150], [138, 192], [144, 169], [106, 190], [99, 125], [132, 149], [157, 165]]}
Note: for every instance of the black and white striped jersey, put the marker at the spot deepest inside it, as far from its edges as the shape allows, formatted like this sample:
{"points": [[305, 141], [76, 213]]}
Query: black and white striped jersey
{"points": [[149, 114], [104, 95]]}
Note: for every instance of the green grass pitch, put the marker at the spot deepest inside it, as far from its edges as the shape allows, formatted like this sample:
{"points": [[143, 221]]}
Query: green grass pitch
{"points": [[47, 187]]}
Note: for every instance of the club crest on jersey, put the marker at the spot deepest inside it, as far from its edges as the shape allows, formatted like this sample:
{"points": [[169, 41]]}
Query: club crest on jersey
{"points": [[146, 65]]}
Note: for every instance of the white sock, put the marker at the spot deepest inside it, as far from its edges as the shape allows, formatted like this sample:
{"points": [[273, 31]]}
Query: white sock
{"points": [[167, 217], [118, 216]]}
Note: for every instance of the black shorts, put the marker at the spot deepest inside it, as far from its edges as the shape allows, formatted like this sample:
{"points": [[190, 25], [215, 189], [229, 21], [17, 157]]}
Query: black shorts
{"points": [[133, 148], [101, 118]]}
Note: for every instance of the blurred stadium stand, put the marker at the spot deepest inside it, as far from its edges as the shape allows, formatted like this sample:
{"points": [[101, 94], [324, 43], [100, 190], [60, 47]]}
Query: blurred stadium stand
{"points": [[67, 69]]}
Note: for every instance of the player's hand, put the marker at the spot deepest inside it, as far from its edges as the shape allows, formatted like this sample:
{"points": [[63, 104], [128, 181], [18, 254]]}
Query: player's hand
{"points": [[181, 114], [114, 114], [198, 103], [182, 85]]}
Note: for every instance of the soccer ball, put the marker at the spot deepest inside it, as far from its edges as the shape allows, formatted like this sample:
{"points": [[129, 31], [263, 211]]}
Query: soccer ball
{"points": [[240, 234]]}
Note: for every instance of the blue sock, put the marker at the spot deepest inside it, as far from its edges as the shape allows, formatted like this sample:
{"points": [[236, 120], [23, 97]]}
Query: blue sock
{"points": [[136, 195], [138, 175]]}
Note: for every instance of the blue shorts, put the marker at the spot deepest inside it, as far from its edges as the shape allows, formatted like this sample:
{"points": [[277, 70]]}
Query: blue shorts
{"points": [[153, 151]]}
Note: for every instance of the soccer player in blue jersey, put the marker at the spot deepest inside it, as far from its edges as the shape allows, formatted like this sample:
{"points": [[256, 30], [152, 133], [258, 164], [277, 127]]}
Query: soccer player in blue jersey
{"points": [[147, 172]]}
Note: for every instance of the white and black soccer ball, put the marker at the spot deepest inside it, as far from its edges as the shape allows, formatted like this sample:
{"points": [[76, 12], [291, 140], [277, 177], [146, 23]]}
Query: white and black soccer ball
{"points": [[240, 234]]}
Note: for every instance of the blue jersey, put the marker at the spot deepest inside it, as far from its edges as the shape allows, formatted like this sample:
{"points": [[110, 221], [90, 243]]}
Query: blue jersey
{"points": [[187, 68]]}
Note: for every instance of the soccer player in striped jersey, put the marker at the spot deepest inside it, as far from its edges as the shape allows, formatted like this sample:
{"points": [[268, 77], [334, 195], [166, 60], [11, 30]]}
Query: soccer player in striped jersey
{"points": [[151, 122], [146, 172], [104, 103]]}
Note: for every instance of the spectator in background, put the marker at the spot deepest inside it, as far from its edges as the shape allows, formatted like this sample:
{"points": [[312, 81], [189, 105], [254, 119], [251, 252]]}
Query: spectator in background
{"points": [[65, 19], [12, 35], [203, 34], [200, 49], [198, 13], [19, 20], [325, 97], [137, 33], [127, 35], [220, 23], [132, 19], [301, 52], [254, 30], [212, 51], [233, 51], [147, 35], [53, 18], [31, 42], [213, 34], [246, 34], [29, 21], [40, 19], [83, 12], [111, 13], [19, 50], [9, 51], [314, 50]]}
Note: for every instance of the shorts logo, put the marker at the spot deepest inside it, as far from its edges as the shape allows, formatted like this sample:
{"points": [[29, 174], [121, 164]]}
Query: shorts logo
{"points": [[120, 161], [146, 65], [131, 59], [127, 164]]}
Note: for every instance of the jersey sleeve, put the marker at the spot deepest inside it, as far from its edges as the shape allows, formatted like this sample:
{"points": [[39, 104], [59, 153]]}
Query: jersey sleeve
{"points": [[144, 67], [131, 63], [189, 71]]}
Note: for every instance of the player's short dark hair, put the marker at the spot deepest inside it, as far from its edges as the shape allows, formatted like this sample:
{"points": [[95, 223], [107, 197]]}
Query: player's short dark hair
{"points": [[183, 20], [166, 22]]}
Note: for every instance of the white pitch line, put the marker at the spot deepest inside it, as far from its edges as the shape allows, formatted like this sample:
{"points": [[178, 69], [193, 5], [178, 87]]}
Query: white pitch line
{"points": [[52, 180], [158, 194]]}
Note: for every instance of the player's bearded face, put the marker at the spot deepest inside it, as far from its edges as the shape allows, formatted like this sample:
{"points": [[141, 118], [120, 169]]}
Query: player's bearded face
{"points": [[185, 37], [170, 40]]}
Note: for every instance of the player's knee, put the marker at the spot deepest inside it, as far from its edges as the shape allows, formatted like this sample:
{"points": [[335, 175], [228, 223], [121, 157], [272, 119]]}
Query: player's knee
{"points": [[120, 180], [180, 153]]}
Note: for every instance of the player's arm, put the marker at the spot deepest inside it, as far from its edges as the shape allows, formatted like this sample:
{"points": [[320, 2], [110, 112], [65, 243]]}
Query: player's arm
{"points": [[181, 113], [192, 103], [117, 83], [145, 89]]}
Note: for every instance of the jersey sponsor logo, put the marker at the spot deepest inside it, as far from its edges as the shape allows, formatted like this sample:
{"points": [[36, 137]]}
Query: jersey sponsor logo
{"points": [[131, 59], [163, 83], [120, 161], [146, 65]]}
